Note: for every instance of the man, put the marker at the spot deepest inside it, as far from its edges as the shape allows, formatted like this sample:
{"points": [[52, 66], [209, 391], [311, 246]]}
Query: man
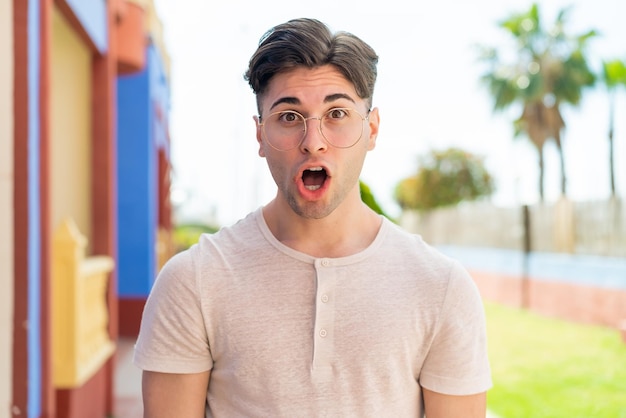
{"points": [[313, 305]]}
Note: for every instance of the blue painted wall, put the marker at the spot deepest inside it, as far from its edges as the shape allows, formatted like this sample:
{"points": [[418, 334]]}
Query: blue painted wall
{"points": [[92, 15], [137, 186], [588, 270], [140, 136], [34, 211]]}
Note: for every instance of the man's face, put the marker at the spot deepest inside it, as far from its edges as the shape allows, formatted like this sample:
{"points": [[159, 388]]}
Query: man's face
{"points": [[315, 177]]}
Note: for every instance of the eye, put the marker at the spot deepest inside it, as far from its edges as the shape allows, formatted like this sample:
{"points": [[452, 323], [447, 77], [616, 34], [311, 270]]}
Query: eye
{"points": [[288, 118], [337, 114]]}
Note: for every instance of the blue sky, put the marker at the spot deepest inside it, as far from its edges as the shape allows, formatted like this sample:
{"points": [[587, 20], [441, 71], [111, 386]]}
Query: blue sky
{"points": [[428, 93]]}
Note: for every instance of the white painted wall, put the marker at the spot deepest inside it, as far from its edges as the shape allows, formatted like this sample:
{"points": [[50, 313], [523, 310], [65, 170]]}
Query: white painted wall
{"points": [[6, 205]]}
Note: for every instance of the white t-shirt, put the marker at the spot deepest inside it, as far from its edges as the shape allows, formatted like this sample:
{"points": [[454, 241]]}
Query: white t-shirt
{"points": [[286, 334]]}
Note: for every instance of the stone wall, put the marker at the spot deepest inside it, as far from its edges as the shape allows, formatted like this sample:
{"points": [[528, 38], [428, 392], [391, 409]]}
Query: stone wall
{"points": [[593, 228]]}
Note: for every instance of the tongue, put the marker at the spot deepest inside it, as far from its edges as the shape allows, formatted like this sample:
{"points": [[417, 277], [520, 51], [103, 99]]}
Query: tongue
{"points": [[314, 178]]}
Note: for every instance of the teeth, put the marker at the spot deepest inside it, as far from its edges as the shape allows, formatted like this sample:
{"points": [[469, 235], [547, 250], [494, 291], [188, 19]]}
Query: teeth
{"points": [[312, 188], [315, 169]]}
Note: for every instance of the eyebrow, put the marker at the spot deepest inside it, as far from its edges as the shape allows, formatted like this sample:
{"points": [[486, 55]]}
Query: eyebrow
{"points": [[328, 99]]}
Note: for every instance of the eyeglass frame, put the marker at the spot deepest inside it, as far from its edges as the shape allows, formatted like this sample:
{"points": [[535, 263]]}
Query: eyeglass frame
{"points": [[319, 126]]}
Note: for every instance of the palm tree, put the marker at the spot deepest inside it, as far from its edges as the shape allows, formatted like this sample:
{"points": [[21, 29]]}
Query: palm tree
{"points": [[613, 75], [549, 68]]}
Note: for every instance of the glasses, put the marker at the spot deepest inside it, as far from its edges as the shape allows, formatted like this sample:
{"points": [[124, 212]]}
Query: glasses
{"points": [[341, 127]]}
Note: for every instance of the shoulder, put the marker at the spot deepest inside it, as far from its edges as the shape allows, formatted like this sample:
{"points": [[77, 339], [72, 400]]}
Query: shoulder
{"points": [[443, 278], [411, 248], [244, 232], [182, 269]]}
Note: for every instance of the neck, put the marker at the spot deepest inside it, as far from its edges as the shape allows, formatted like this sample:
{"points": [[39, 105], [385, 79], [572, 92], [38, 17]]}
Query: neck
{"points": [[344, 232]]}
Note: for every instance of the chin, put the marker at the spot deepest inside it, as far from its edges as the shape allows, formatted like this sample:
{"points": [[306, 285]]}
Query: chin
{"points": [[312, 210]]}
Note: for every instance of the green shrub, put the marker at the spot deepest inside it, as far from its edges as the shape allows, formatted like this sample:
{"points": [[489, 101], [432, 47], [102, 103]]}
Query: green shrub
{"points": [[444, 178], [368, 198], [185, 235]]}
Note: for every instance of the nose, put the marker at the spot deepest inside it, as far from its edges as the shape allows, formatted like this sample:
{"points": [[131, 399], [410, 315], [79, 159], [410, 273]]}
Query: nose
{"points": [[313, 140]]}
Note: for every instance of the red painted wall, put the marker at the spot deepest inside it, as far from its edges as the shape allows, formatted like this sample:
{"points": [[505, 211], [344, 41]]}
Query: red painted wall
{"points": [[570, 301]]}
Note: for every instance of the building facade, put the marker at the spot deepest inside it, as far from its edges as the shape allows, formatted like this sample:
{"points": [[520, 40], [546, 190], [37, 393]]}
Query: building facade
{"points": [[61, 204], [6, 205]]}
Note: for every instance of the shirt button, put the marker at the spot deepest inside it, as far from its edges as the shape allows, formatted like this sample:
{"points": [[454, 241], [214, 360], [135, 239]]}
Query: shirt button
{"points": [[324, 298], [325, 263], [323, 333]]}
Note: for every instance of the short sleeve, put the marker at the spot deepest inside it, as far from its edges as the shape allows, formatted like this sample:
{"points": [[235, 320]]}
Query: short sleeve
{"points": [[173, 337], [457, 362]]}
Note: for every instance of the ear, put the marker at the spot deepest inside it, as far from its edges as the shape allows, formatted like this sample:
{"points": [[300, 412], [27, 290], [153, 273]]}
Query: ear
{"points": [[373, 122], [259, 136]]}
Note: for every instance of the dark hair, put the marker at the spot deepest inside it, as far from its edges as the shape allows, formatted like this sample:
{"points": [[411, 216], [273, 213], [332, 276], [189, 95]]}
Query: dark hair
{"points": [[310, 43]]}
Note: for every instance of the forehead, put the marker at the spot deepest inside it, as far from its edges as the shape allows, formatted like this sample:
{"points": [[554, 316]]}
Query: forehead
{"points": [[308, 87]]}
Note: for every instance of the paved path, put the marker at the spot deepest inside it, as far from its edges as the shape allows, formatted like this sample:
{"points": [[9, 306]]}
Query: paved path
{"points": [[127, 383]]}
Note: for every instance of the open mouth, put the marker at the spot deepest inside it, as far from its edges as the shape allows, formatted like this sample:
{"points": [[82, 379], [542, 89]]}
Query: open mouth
{"points": [[313, 178]]}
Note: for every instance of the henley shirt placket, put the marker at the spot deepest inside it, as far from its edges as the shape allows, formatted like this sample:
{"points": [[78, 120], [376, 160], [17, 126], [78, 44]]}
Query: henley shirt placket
{"points": [[324, 330]]}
